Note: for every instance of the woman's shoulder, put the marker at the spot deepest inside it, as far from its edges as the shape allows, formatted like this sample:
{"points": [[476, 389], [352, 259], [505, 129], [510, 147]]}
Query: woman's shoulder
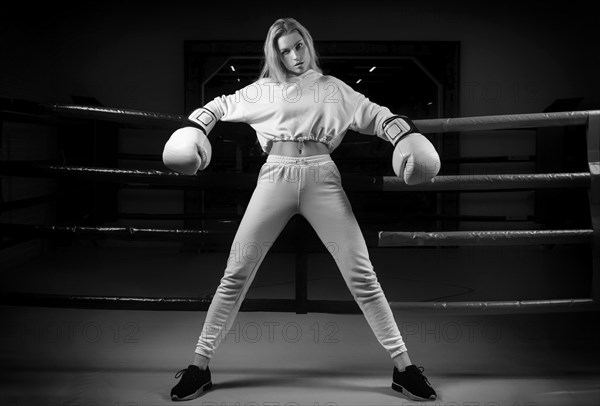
{"points": [[263, 81]]}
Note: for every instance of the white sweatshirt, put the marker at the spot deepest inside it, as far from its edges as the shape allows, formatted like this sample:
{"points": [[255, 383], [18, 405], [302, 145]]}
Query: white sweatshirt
{"points": [[312, 107]]}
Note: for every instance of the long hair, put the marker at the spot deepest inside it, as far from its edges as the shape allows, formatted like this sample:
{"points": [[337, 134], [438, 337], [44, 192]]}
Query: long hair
{"points": [[273, 67]]}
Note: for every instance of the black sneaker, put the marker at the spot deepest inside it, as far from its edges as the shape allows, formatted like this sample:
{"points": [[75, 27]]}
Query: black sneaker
{"points": [[193, 382], [413, 384]]}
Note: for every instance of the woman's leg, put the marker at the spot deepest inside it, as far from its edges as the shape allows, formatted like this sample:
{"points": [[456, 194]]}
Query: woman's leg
{"points": [[326, 207], [272, 204]]}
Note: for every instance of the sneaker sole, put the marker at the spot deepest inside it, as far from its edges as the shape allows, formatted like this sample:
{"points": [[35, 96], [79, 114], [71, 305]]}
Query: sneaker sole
{"points": [[405, 392], [194, 395]]}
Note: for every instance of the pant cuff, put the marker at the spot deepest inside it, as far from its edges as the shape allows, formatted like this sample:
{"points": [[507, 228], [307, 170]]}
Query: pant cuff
{"points": [[203, 353], [399, 351]]}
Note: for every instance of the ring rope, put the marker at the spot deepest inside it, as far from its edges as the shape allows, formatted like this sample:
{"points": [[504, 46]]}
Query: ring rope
{"points": [[462, 238], [340, 306], [386, 238], [476, 123], [503, 122], [246, 181], [114, 114]]}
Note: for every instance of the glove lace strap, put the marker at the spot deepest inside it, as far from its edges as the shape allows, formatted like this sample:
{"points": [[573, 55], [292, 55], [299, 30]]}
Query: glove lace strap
{"points": [[397, 127]]}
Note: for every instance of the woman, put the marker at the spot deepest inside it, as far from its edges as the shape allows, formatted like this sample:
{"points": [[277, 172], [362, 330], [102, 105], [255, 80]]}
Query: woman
{"points": [[300, 117]]}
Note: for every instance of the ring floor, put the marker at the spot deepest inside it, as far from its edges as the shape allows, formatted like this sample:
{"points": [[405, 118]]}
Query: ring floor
{"points": [[59, 356]]}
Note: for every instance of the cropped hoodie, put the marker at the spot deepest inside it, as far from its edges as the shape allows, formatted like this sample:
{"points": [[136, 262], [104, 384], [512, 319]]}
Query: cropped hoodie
{"points": [[312, 106]]}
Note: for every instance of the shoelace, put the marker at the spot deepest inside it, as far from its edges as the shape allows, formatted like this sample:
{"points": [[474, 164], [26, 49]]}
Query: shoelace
{"points": [[179, 373], [421, 370]]}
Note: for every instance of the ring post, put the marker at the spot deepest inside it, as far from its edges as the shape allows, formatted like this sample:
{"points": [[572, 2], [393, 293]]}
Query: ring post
{"points": [[593, 147]]}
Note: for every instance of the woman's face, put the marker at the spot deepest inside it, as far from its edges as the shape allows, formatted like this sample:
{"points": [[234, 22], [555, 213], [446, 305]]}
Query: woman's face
{"points": [[294, 53]]}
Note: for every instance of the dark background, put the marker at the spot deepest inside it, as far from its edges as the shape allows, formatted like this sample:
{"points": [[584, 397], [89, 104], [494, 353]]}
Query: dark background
{"points": [[515, 57]]}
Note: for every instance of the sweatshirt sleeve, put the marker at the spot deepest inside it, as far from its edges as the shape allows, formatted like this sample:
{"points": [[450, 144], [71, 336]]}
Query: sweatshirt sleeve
{"points": [[369, 117], [232, 107]]}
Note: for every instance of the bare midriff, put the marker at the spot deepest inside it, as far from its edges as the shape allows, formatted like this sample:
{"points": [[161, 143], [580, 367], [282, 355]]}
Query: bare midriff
{"points": [[291, 148]]}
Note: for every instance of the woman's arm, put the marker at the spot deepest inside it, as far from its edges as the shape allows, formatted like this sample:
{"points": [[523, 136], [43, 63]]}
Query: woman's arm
{"points": [[188, 150], [369, 116], [414, 158]]}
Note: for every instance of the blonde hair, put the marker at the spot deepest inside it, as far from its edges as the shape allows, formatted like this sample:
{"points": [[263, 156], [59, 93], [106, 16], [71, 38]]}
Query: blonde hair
{"points": [[273, 67]]}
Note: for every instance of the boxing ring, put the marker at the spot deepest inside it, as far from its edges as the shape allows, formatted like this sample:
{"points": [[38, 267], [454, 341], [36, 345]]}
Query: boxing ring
{"points": [[506, 371]]}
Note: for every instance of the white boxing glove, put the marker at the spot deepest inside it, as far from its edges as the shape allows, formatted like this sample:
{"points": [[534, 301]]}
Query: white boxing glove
{"points": [[188, 150], [415, 158]]}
